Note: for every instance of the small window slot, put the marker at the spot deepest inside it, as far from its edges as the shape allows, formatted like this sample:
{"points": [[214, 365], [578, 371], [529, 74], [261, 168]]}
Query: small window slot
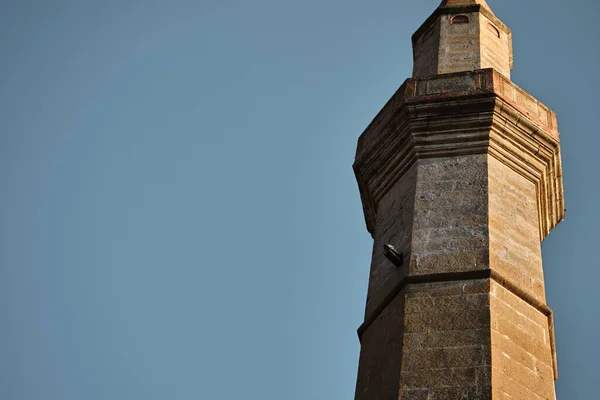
{"points": [[493, 29], [459, 19]]}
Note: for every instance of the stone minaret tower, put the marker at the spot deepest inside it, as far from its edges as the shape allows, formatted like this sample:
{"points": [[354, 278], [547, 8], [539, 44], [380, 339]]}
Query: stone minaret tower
{"points": [[460, 178]]}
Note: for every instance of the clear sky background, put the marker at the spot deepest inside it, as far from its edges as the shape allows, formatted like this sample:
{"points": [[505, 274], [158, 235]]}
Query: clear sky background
{"points": [[179, 217]]}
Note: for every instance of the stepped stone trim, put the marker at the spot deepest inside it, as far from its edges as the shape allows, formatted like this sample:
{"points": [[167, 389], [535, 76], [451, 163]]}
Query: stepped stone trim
{"points": [[464, 276], [473, 112]]}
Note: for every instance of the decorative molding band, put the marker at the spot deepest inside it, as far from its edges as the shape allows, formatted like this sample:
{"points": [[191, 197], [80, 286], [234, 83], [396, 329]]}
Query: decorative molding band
{"points": [[464, 276], [478, 112]]}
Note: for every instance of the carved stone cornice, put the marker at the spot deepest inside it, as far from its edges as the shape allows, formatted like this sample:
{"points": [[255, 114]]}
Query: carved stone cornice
{"points": [[475, 112]]}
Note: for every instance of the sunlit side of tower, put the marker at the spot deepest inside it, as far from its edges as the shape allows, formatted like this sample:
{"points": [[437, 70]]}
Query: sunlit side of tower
{"points": [[460, 178]]}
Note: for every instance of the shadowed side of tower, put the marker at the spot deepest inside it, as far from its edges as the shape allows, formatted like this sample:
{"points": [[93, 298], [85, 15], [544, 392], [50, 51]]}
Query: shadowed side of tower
{"points": [[460, 173]]}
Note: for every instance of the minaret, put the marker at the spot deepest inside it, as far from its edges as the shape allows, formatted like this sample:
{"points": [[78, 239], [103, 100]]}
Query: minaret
{"points": [[460, 178]]}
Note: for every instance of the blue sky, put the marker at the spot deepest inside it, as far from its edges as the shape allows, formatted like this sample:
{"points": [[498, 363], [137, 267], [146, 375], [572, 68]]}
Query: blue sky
{"points": [[179, 215]]}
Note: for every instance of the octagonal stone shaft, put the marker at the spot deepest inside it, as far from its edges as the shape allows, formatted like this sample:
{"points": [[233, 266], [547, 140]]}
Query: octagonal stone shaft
{"points": [[461, 173]]}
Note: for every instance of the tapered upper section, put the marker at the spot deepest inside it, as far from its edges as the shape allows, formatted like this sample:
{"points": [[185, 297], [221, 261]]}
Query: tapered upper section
{"points": [[462, 35]]}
